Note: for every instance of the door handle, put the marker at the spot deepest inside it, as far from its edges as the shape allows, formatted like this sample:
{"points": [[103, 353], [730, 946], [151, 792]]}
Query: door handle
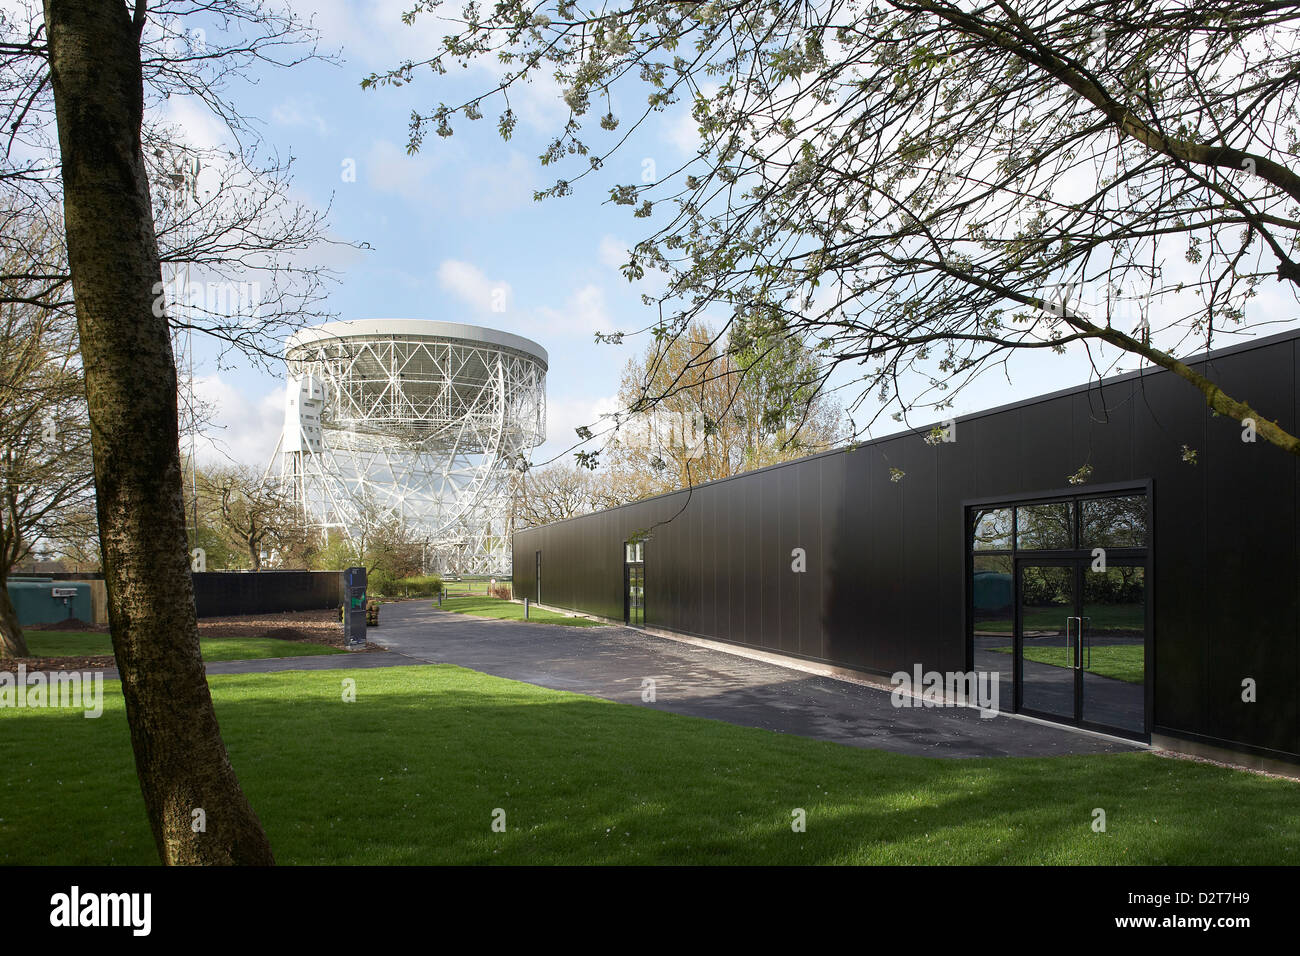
{"points": [[1078, 645], [1069, 647]]}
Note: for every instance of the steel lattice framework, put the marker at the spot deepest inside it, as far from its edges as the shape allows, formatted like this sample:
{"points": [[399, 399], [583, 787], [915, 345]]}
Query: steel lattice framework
{"points": [[417, 418]]}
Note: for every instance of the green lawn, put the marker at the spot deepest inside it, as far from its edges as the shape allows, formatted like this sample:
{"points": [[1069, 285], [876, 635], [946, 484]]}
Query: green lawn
{"points": [[1102, 617], [510, 611], [414, 769], [89, 644], [1124, 662]]}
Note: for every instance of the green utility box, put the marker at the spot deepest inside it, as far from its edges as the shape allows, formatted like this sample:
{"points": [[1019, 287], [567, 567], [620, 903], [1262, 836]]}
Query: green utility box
{"points": [[46, 601], [993, 591]]}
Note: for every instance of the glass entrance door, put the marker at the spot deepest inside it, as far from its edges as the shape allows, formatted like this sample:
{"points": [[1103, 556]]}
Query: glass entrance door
{"points": [[1113, 650], [635, 595], [634, 582], [1047, 640], [1081, 643]]}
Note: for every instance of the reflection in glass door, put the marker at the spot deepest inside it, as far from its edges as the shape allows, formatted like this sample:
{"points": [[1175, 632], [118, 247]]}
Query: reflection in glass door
{"points": [[1113, 648], [1081, 645], [1048, 639], [634, 583], [635, 595]]}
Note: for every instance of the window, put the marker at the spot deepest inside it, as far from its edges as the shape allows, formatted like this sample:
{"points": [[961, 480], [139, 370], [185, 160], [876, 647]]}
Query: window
{"points": [[993, 530], [1048, 527], [1114, 522]]}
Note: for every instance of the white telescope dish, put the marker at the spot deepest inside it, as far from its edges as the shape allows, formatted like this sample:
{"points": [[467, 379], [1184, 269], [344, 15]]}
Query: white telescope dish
{"points": [[415, 418]]}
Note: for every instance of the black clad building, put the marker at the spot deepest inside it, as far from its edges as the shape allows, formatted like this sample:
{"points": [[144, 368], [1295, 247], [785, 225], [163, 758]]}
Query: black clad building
{"points": [[1123, 558]]}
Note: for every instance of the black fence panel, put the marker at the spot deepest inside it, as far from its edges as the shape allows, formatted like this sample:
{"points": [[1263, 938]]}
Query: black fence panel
{"points": [[225, 593]]}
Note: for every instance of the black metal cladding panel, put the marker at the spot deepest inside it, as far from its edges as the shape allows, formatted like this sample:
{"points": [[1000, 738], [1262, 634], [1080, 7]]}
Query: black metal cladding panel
{"points": [[739, 544], [808, 585], [1169, 416], [1047, 453], [919, 560], [847, 592], [761, 571], [728, 565], [694, 607], [758, 607], [997, 462], [1103, 432], [746, 619], [721, 562], [955, 484], [832, 497], [712, 554], [888, 652], [688, 581], [669, 560], [1250, 526], [783, 518]]}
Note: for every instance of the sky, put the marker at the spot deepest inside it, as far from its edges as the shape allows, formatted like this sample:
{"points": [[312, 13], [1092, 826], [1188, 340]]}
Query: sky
{"points": [[454, 229]]}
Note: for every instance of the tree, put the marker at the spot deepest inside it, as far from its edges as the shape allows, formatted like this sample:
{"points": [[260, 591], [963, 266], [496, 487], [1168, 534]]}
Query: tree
{"points": [[921, 188], [96, 75], [380, 541], [45, 465], [559, 491], [252, 513], [704, 409]]}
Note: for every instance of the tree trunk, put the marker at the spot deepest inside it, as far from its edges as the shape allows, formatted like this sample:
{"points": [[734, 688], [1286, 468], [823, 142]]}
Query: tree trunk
{"points": [[12, 641], [131, 390]]}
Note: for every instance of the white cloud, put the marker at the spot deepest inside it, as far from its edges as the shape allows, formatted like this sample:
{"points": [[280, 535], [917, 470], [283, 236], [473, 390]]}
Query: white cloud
{"points": [[387, 168], [584, 313], [613, 251], [496, 187], [245, 427], [299, 112], [371, 31], [565, 414], [471, 285]]}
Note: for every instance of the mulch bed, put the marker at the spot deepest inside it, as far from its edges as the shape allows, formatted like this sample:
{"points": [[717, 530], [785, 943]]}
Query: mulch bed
{"points": [[311, 627], [34, 664], [70, 624]]}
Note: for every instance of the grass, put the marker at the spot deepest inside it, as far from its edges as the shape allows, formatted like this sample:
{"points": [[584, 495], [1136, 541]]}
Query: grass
{"points": [[510, 611], [468, 588], [89, 644], [1103, 617], [413, 771], [1124, 662]]}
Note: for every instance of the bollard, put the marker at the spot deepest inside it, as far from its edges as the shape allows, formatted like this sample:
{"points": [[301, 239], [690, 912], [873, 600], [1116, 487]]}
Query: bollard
{"points": [[525, 609]]}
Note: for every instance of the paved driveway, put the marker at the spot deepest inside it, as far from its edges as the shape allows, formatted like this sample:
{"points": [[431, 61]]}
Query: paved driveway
{"points": [[612, 662]]}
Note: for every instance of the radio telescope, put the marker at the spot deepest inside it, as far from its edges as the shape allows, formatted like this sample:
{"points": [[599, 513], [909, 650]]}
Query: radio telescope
{"points": [[417, 418]]}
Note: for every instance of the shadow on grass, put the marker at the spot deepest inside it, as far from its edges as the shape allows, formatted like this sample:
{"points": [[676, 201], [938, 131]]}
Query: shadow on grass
{"points": [[413, 771]]}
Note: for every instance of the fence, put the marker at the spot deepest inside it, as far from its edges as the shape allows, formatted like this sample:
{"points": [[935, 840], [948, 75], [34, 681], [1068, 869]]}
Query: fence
{"points": [[223, 593]]}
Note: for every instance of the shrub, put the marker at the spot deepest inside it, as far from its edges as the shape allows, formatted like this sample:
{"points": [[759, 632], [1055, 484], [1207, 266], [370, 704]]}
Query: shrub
{"points": [[501, 590], [382, 582], [422, 585]]}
